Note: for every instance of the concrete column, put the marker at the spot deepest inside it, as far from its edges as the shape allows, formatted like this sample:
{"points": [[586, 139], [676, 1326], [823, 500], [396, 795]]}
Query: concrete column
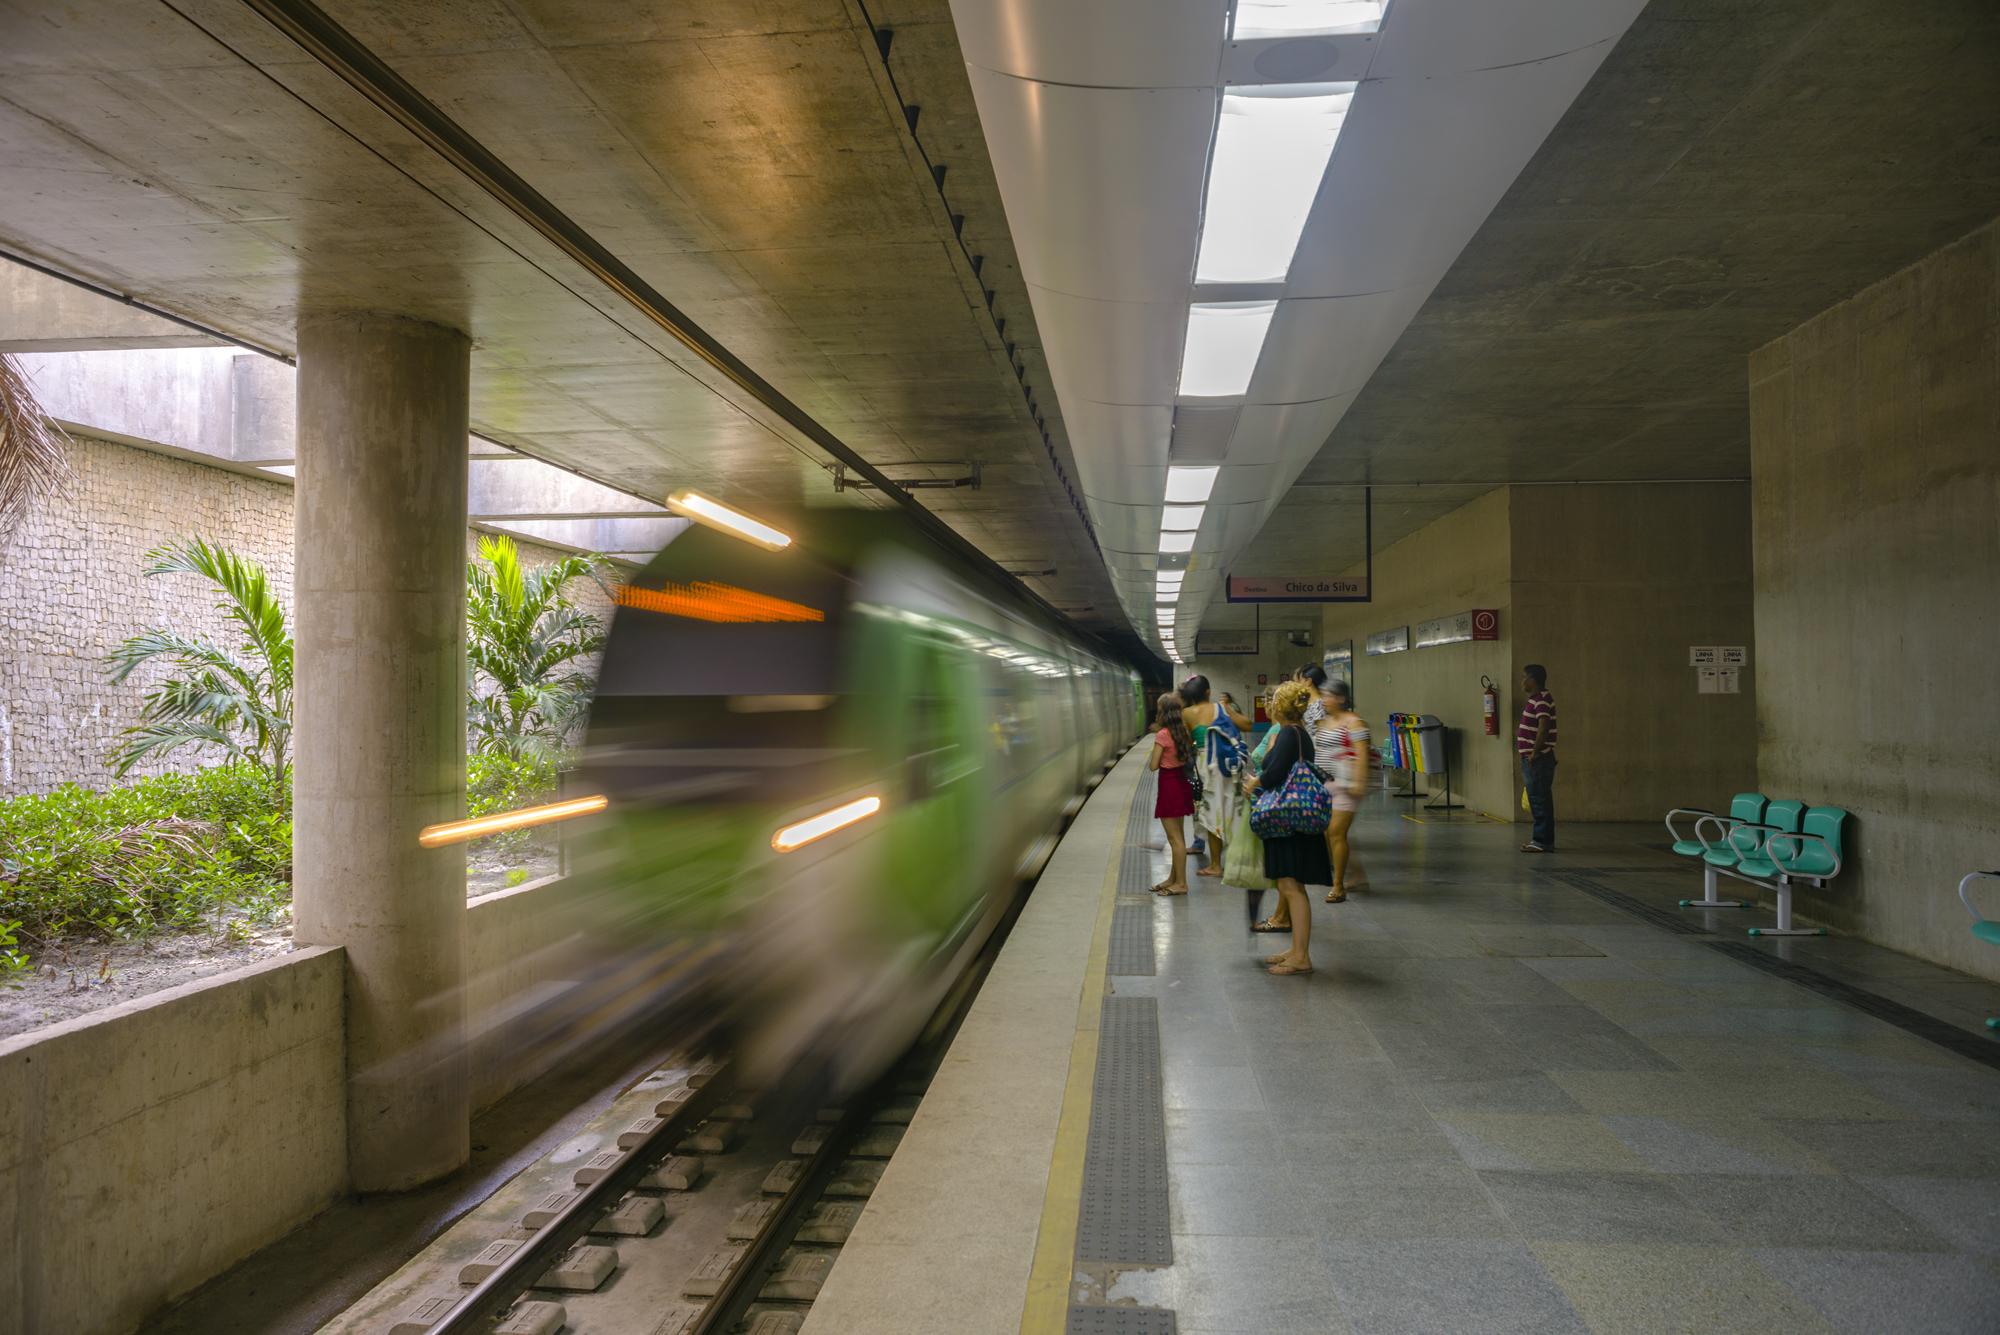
{"points": [[379, 742]]}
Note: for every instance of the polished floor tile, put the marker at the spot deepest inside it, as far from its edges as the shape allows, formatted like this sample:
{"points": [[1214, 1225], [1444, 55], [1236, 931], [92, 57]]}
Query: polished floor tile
{"points": [[1422, 1288], [1502, 1104]]}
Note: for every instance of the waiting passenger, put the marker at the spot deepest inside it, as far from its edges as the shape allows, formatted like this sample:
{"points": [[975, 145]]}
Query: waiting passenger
{"points": [[1219, 748], [1171, 749], [1341, 742], [1535, 739], [1294, 861]]}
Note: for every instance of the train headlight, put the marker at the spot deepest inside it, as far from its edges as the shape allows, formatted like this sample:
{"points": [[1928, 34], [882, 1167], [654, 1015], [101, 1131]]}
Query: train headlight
{"points": [[792, 836]]}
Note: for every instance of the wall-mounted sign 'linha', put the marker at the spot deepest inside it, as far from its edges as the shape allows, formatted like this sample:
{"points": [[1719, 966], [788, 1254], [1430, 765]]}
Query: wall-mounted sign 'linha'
{"points": [[1298, 589]]}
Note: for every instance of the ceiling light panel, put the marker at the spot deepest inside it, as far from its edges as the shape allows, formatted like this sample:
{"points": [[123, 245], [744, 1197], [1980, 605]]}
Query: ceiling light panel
{"points": [[1176, 542], [1183, 517], [1291, 18], [1272, 144], [1223, 340], [1190, 486]]}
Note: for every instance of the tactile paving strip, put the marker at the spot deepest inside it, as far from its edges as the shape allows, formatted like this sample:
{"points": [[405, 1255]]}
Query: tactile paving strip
{"points": [[1120, 1321], [1143, 798], [1132, 954], [1124, 1219]]}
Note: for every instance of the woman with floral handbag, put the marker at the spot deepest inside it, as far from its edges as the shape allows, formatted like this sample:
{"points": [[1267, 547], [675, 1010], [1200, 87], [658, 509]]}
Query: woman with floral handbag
{"points": [[1290, 815]]}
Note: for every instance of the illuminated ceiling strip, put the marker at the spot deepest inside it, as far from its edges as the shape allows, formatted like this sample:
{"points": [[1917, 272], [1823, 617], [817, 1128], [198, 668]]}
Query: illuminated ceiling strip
{"points": [[458, 831]]}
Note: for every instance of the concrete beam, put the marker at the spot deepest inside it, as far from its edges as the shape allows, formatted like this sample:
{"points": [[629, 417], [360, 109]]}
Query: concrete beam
{"points": [[43, 314]]}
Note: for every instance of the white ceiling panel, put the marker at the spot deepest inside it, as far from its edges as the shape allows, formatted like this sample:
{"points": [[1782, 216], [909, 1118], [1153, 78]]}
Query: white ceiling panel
{"points": [[1429, 37], [1329, 345], [1102, 172], [1104, 43], [1068, 159]]}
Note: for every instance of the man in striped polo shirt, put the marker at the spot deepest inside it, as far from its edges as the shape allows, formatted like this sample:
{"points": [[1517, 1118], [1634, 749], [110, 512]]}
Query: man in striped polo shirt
{"points": [[1535, 739]]}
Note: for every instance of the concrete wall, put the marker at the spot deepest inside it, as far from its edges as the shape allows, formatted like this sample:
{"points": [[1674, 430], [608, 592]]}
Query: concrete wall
{"points": [[519, 943], [147, 1147], [1607, 587], [1611, 587], [70, 588], [1461, 561], [1875, 445]]}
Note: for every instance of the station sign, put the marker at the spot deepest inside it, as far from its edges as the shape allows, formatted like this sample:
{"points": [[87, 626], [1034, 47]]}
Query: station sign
{"points": [[1485, 623], [1453, 629], [1389, 641], [1225, 642], [1298, 589]]}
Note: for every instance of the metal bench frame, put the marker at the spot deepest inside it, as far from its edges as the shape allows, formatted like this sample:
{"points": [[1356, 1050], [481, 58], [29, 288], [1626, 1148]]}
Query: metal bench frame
{"points": [[1780, 885]]}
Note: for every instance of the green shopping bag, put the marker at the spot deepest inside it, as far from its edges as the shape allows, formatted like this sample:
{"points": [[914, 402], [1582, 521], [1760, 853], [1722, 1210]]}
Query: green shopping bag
{"points": [[1243, 862]]}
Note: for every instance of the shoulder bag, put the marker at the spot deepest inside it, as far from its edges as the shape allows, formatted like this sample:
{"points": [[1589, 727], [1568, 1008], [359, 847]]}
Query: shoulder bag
{"points": [[1298, 806]]}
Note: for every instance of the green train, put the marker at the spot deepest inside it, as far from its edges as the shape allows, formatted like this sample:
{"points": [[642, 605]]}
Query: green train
{"points": [[829, 768]]}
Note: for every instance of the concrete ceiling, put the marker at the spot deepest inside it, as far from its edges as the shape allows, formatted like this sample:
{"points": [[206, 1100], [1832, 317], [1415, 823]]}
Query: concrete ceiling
{"points": [[754, 162], [1731, 171]]}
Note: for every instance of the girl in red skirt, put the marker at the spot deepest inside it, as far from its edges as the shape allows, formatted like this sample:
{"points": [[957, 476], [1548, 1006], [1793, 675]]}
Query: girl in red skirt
{"points": [[1172, 748]]}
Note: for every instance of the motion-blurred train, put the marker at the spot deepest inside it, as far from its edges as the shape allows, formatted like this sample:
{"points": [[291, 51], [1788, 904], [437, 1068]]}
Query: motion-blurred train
{"points": [[828, 768]]}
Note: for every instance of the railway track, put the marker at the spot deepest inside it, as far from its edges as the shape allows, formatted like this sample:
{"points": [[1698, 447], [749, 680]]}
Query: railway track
{"points": [[692, 1207]]}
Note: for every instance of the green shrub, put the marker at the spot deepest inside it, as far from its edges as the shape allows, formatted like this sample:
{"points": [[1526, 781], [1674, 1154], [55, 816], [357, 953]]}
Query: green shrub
{"points": [[497, 781], [157, 854]]}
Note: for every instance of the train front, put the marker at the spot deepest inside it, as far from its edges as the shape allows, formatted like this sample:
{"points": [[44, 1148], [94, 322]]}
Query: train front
{"points": [[793, 852]]}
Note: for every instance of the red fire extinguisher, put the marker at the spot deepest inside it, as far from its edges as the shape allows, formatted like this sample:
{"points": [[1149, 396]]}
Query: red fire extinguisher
{"points": [[1492, 708]]}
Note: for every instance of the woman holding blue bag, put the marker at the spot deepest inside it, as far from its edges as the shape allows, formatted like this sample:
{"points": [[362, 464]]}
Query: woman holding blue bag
{"points": [[1290, 815]]}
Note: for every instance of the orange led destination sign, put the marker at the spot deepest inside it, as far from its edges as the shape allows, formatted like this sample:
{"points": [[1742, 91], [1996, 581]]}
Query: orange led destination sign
{"points": [[715, 602], [1298, 589]]}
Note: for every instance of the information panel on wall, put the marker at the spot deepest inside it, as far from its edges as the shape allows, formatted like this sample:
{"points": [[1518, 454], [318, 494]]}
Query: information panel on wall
{"points": [[1389, 641], [1445, 630], [1338, 661], [1225, 642]]}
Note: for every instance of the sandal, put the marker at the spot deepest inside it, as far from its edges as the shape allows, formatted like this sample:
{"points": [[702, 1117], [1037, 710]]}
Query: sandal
{"points": [[1209, 871], [1287, 970], [1533, 848], [1166, 893], [1268, 926], [1336, 896]]}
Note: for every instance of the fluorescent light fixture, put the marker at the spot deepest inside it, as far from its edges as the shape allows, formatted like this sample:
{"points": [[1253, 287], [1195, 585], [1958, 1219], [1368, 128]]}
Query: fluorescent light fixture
{"points": [[1289, 18], [715, 514], [1183, 517], [1223, 340], [1167, 596], [792, 836], [1190, 486], [1272, 145], [1176, 542]]}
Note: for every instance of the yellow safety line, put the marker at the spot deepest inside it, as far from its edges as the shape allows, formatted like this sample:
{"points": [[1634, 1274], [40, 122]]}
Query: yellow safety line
{"points": [[1046, 1311]]}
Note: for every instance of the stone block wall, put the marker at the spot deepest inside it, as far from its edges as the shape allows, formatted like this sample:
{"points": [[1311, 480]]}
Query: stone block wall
{"points": [[70, 589]]}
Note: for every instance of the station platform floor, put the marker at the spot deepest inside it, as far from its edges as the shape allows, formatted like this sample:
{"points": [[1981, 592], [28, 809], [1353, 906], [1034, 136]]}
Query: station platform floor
{"points": [[1521, 1093]]}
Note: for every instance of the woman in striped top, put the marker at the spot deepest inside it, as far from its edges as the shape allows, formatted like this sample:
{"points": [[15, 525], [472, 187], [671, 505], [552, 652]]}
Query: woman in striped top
{"points": [[1341, 741]]}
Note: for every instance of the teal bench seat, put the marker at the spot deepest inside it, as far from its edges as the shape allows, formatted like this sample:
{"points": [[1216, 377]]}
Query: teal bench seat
{"points": [[1986, 929], [1714, 852], [1768, 844]]}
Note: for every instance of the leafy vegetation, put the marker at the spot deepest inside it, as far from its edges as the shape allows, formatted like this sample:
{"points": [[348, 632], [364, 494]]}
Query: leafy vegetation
{"points": [[162, 853], [525, 640], [238, 699]]}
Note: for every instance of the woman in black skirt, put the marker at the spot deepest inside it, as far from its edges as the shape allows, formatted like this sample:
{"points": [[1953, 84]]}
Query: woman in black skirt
{"points": [[1296, 860]]}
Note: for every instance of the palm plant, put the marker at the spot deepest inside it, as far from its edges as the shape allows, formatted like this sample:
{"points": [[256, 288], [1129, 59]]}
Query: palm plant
{"points": [[32, 460], [238, 699], [524, 639]]}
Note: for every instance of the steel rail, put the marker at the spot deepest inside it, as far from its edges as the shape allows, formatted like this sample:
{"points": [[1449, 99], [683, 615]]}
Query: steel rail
{"points": [[518, 1273], [315, 32]]}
